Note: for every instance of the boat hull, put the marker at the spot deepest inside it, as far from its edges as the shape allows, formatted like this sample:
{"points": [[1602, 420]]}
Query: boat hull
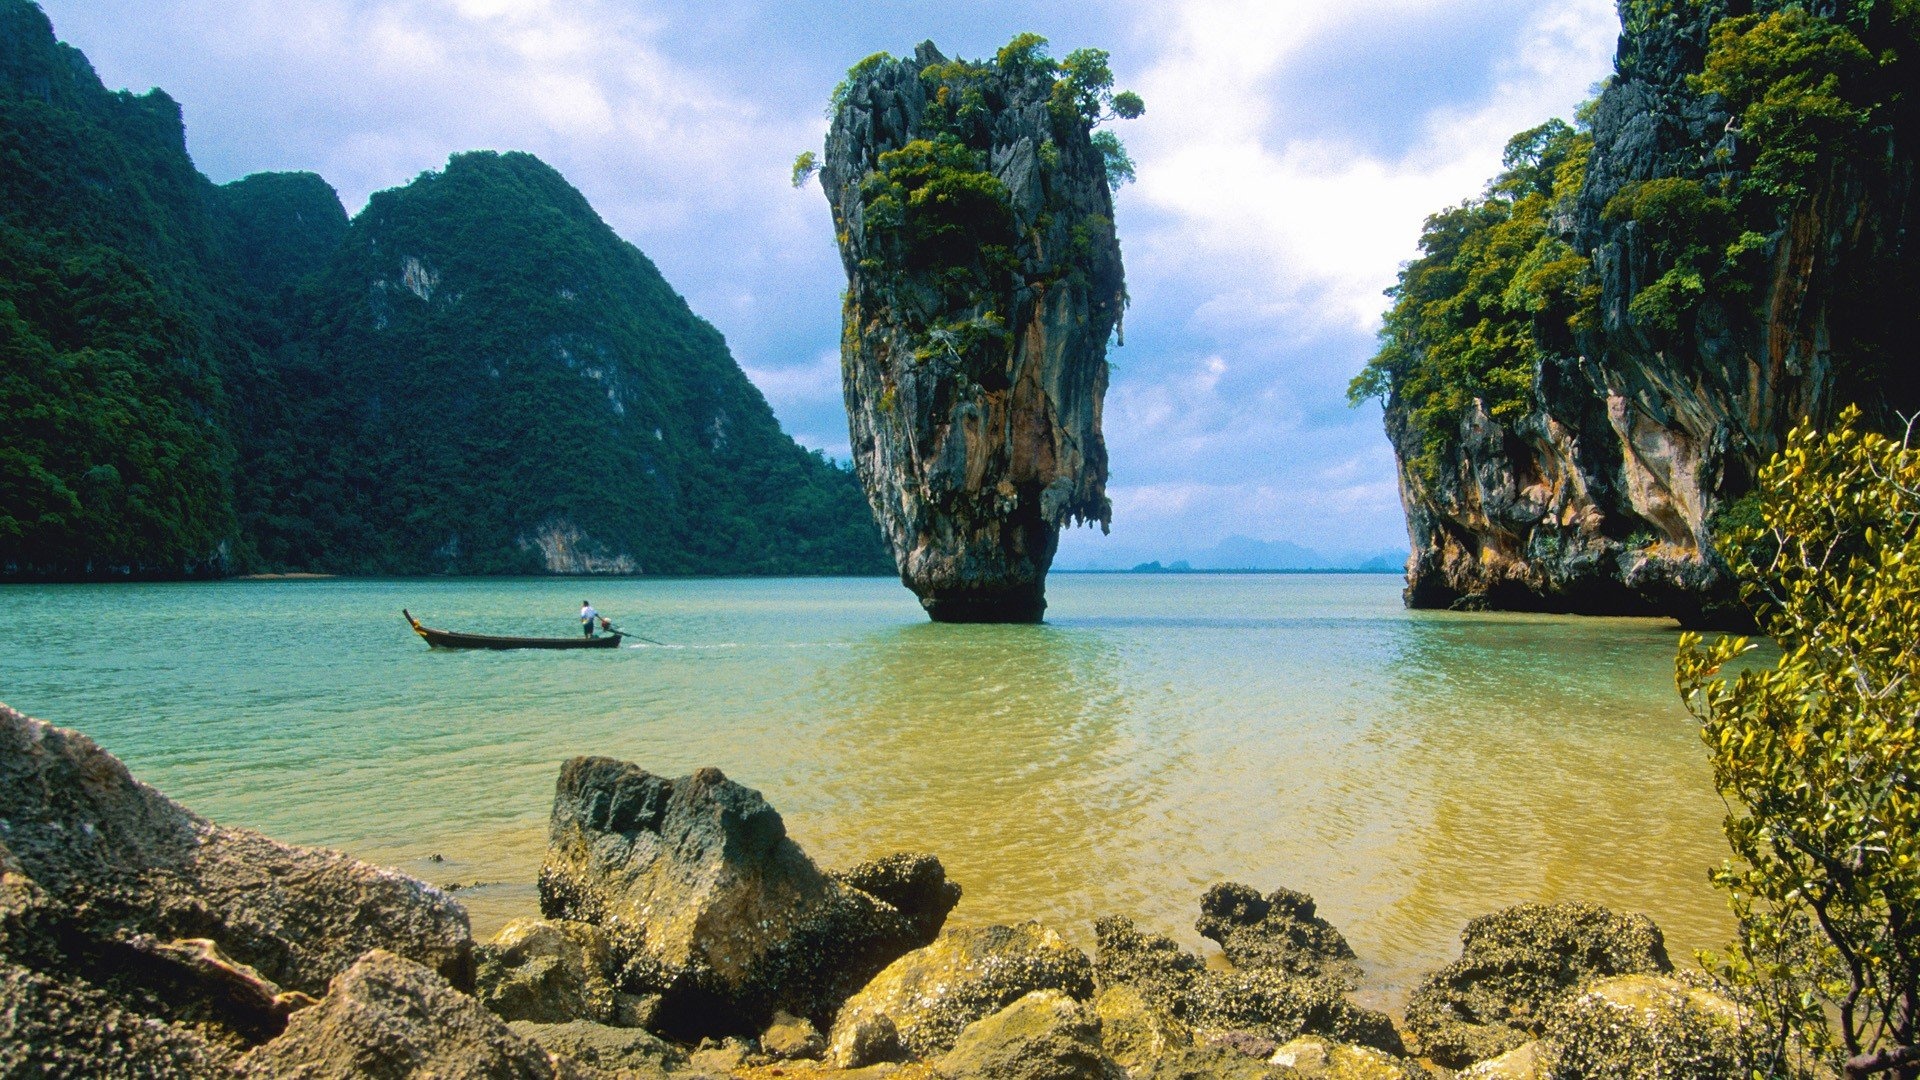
{"points": [[450, 639]]}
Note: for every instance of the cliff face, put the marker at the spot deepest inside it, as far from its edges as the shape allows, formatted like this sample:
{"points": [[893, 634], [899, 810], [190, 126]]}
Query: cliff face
{"points": [[983, 280], [1728, 308]]}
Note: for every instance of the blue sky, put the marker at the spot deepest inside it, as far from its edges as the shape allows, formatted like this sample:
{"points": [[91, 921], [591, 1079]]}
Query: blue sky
{"points": [[1289, 153]]}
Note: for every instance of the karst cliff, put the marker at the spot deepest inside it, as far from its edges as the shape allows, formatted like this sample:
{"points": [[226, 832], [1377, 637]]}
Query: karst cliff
{"points": [[1586, 366], [975, 221]]}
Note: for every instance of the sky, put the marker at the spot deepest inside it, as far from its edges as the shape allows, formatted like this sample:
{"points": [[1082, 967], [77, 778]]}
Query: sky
{"points": [[1289, 153]]}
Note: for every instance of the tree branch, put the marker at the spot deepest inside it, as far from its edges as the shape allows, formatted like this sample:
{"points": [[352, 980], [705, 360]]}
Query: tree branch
{"points": [[1861, 1065]]}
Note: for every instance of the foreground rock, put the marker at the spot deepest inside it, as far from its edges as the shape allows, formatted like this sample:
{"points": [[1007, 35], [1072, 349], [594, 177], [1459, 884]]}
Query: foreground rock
{"points": [[1314, 1058], [915, 884], [1212, 1063], [705, 901], [1278, 931], [1523, 1062], [919, 1005], [1135, 1033], [547, 971], [629, 1052], [1631, 1027], [120, 908], [389, 1017], [975, 322], [60, 1027], [1268, 1003], [1644, 1027], [1515, 965], [1044, 1035], [792, 1038]]}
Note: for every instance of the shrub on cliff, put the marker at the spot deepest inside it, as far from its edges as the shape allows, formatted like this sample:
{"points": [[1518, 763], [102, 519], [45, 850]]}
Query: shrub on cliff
{"points": [[1816, 755], [1807, 108], [1815, 99], [1496, 289]]}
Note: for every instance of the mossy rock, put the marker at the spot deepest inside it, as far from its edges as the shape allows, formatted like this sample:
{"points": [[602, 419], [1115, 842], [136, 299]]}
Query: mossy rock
{"points": [[931, 994], [1212, 1063], [1515, 965], [1135, 1031], [1278, 931], [546, 971], [1262, 1001], [1644, 1027], [634, 1053], [1045, 1035], [1317, 1058], [1523, 1062]]}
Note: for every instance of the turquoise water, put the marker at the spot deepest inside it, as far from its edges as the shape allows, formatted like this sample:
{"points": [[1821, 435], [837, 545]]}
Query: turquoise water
{"points": [[1409, 769]]}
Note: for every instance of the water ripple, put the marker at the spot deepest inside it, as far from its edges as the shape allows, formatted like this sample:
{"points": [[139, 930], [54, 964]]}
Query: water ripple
{"points": [[1411, 770]]}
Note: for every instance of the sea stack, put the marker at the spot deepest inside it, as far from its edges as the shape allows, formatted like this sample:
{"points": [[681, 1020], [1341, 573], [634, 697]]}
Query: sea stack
{"points": [[972, 209]]}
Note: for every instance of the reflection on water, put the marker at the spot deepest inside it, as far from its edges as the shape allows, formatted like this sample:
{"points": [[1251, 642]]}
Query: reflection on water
{"points": [[1411, 770], [1007, 743], [1548, 759]]}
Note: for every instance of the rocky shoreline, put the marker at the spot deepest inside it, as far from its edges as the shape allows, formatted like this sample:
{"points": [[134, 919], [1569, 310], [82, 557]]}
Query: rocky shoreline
{"points": [[684, 934]]}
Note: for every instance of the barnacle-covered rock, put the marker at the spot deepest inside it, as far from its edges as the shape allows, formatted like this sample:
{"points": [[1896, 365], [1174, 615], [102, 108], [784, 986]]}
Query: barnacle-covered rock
{"points": [[389, 1017], [1515, 965], [1044, 1035], [546, 971], [1279, 931], [1645, 1027], [930, 995], [1267, 1002]]}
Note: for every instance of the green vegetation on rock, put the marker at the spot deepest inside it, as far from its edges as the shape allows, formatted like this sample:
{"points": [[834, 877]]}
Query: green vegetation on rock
{"points": [[485, 366], [934, 207], [116, 457], [1496, 288], [1815, 100], [973, 211], [1815, 754]]}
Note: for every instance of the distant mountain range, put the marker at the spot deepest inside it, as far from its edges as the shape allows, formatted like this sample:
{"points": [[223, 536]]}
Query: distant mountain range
{"points": [[1241, 553]]}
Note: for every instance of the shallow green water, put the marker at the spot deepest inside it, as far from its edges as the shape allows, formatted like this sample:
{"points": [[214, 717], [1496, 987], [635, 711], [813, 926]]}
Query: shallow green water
{"points": [[1411, 770]]}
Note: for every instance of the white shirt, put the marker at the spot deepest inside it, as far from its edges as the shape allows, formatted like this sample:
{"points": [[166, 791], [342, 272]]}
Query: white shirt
{"points": [[587, 613]]}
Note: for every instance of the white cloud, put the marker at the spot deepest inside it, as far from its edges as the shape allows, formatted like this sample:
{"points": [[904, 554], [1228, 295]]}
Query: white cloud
{"points": [[798, 385], [383, 91], [1313, 229]]}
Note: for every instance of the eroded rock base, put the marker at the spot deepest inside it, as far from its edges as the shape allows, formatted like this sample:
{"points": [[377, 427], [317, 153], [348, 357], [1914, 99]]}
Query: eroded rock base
{"points": [[1019, 604]]}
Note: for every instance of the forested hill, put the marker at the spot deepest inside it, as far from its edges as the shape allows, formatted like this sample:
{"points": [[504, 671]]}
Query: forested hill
{"points": [[475, 375], [117, 317]]}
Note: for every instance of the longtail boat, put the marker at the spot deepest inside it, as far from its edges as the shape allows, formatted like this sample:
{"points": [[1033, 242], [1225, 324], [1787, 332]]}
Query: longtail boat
{"points": [[449, 639]]}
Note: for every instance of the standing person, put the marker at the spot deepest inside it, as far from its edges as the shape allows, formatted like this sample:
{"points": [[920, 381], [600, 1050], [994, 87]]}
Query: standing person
{"points": [[588, 617]]}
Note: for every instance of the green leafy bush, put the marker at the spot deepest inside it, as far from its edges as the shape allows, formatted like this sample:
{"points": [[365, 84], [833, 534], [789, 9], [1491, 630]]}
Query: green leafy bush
{"points": [[1803, 88], [1816, 754]]}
